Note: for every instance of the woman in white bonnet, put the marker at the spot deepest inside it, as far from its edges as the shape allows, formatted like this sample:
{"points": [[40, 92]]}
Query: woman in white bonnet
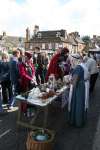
{"points": [[77, 104]]}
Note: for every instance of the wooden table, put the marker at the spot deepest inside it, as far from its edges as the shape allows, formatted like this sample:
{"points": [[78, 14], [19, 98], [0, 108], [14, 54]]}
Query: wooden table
{"points": [[33, 100]]}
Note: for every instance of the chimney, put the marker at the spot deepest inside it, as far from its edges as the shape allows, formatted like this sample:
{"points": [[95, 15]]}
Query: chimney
{"points": [[94, 37], [27, 34], [36, 29], [4, 34], [76, 34]]}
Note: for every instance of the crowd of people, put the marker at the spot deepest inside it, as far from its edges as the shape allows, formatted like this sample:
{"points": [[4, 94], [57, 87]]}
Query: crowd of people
{"points": [[20, 73], [25, 70]]}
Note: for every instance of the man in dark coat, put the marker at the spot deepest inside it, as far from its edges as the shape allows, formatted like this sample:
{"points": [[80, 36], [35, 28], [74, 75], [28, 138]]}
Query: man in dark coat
{"points": [[14, 71]]}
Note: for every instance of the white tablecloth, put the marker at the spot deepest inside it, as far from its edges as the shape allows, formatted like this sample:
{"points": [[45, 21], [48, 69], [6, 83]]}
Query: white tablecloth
{"points": [[35, 100]]}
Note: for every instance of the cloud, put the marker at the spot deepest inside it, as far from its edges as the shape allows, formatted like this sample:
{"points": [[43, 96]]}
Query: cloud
{"points": [[71, 15]]}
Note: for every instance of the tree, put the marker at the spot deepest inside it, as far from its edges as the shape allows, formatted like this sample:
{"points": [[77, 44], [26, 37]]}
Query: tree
{"points": [[87, 41]]}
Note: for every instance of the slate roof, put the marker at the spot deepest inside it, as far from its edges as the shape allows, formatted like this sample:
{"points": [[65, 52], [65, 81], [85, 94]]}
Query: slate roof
{"points": [[56, 36], [52, 33], [47, 39]]}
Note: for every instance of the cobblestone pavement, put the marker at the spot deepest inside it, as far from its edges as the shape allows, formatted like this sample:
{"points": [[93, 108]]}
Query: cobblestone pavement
{"points": [[67, 138]]}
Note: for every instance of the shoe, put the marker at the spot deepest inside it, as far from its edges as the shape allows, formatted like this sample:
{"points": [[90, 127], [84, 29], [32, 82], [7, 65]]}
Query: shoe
{"points": [[10, 107]]}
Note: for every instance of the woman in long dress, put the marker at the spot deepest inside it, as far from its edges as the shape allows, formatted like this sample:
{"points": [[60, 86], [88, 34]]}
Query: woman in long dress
{"points": [[78, 101]]}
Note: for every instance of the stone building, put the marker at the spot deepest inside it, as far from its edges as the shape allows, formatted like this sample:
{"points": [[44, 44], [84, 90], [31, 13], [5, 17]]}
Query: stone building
{"points": [[76, 44], [45, 40], [52, 40], [11, 42]]}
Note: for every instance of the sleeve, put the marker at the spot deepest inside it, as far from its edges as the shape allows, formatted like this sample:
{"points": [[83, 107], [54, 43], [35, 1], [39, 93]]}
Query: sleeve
{"points": [[23, 72]]}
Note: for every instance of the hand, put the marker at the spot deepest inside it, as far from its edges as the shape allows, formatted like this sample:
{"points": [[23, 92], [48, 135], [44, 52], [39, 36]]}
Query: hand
{"points": [[34, 80]]}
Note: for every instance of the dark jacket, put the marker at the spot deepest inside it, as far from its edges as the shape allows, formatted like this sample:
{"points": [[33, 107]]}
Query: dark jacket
{"points": [[14, 71], [4, 71]]}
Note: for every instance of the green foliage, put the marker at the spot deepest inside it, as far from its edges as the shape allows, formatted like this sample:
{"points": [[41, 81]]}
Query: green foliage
{"points": [[86, 39], [20, 39]]}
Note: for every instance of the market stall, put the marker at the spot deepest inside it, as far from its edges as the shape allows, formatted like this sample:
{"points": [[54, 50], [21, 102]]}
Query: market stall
{"points": [[41, 138], [41, 100]]}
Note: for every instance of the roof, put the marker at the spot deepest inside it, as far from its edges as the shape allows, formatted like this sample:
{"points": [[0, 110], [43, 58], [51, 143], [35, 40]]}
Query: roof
{"points": [[47, 39], [79, 40], [71, 41], [75, 38], [12, 40], [52, 33]]}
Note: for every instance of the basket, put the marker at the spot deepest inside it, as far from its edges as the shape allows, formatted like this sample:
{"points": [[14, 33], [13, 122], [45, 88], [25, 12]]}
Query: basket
{"points": [[33, 144]]}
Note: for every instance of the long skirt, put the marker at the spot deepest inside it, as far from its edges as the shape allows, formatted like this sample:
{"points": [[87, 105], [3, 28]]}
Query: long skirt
{"points": [[77, 113]]}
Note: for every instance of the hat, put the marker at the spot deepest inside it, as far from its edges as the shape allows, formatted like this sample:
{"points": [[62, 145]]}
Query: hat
{"points": [[28, 54], [76, 56], [65, 50]]}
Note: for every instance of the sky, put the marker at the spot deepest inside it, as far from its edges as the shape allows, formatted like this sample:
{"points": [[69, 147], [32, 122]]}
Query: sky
{"points": [[72, 15]]}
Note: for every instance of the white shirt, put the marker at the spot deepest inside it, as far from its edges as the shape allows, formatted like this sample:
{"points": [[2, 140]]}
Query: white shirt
{"points": [[92, 66]]}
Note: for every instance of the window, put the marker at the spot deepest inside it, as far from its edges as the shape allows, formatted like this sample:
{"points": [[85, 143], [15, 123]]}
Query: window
{"points": [[56, 45], [31, 46], [50, 46], [43, 45], [39, 35], [58, 34]]}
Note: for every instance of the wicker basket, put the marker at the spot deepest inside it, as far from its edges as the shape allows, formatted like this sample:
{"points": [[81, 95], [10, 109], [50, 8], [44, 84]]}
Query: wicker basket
{"points": [[32, 144]]}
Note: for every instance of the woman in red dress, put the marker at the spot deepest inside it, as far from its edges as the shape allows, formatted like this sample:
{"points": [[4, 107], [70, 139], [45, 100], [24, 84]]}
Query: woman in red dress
{"points": [[27, 76], [54, 67], [27, 72]]}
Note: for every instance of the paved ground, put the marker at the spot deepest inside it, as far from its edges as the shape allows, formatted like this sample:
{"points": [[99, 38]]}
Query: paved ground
{"points": [[67, 138]]}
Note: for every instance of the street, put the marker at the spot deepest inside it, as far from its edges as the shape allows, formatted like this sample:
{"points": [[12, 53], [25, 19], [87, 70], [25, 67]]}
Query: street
{"points": [[67, 138]]}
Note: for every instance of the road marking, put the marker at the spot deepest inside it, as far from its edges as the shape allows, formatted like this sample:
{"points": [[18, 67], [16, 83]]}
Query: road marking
{"points": [[5, 133]]}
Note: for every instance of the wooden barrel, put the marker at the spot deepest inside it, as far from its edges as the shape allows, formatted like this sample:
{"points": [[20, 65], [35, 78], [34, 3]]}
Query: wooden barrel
{"points": [[32, 144]]}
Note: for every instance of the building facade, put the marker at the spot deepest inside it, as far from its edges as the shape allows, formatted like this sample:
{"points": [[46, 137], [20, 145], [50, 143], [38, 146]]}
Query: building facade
{"points": [[52, 40], [11, 42]]}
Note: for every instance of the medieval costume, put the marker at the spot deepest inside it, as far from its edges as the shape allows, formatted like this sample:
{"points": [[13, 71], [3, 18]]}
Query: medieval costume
{"points": [[78, 96], [56, 65]]}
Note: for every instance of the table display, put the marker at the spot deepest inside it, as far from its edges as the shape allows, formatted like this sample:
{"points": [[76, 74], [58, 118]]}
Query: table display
{"points": [[40, 97]]}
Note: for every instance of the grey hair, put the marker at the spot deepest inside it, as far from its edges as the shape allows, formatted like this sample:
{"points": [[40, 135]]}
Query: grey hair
{"points": [[5, 54]]}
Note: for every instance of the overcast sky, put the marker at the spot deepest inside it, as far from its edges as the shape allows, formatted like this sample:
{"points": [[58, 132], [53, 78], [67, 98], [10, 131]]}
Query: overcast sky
{"points": [[72, 15]]}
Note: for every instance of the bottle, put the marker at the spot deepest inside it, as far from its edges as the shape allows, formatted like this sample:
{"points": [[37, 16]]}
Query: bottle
{"points": [[52, 81]]}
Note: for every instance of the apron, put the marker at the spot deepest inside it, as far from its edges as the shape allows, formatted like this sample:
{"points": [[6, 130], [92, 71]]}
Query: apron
{"points": [[86, 79]]}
